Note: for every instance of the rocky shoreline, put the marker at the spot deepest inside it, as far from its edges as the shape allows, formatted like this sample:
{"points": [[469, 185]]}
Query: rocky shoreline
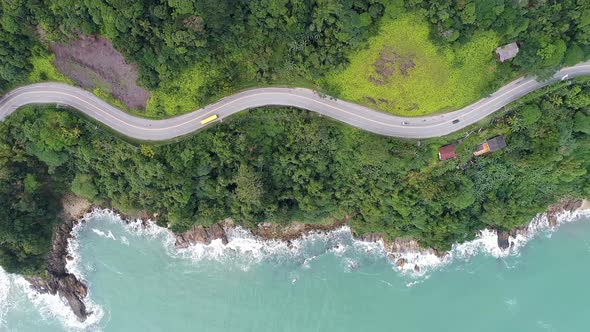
{"points": [[265, 231], [552, 212], [396, 250], [58, 280]]}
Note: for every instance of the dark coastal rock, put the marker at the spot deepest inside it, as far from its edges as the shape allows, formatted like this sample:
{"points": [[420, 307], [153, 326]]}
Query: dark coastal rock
{"points": [[566, 205], [295, 230], [74, 291], [200, 234], [503, 239], [38, 284], [56, 261], [523, 231], [372, 237], [217, 232], [400, 245], [66, 286], [57, 280], [60, 281], [265, 231], [400, 263]]}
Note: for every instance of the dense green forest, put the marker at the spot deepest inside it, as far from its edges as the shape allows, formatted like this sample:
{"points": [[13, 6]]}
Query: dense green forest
{"points": [[549, 33], [283, 164], [244, 43], [246, 39], [280, 165]]}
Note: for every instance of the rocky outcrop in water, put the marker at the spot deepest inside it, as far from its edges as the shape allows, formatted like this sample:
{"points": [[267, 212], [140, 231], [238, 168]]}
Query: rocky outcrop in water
{"points": [[371, 237], [552, 213], [265, 231], [205, 235], [503, 239], [399, 248], [567, 205], [56, 279], [293, 231]]}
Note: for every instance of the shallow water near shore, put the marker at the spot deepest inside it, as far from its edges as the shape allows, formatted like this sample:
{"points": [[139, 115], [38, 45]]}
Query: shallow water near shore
{"points": [[139, 282]]}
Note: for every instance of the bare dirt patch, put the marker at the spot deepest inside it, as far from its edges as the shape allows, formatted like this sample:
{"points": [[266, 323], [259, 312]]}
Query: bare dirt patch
{"points": [[389, 63], [74, 207], [92, 62], [406, 66]]}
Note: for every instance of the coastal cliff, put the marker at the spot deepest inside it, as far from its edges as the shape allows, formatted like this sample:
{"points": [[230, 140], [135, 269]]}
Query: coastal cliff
{"points": [[552, 213], [398, 249], [57, 280]]}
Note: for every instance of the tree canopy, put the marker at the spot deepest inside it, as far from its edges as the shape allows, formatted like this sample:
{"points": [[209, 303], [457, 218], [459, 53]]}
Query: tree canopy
{"points": [[280, 165]]}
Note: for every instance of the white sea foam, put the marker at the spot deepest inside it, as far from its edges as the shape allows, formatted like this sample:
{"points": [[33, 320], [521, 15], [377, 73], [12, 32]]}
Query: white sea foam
{"points": [[50, 307], [4, 291], [108, 235], [53, 307], [486, 243], [246, 249], [125, 240], [307, 262], [417, 281], [418, 263], [243, 248]]}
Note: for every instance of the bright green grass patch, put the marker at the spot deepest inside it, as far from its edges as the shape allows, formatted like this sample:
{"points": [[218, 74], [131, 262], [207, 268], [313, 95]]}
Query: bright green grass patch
{"points": [[44, 70], [403, 72], [178, 95]]}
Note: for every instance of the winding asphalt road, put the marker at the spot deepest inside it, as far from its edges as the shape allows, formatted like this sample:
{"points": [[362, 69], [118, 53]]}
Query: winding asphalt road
{"points": [[350, 113]]}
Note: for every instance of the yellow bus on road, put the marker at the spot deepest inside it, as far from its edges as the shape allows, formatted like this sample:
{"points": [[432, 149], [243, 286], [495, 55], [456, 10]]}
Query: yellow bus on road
{"points": [[209, 119]]}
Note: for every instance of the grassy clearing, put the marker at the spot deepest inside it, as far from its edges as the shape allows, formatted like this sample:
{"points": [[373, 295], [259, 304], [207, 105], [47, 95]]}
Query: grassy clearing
{"points": [[177, 96], [44, 70], [403, 72]]}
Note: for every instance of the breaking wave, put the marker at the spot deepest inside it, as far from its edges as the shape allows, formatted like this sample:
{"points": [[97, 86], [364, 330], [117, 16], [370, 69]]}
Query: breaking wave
{"points": [[244, 250], [486, 243], [52, 307], [15, 290], [4, 289]]}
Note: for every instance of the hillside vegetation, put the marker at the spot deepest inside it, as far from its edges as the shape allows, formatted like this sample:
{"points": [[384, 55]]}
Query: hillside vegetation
{"points": [[402, 71], [279, 165], [191, 52], [276, 164]]}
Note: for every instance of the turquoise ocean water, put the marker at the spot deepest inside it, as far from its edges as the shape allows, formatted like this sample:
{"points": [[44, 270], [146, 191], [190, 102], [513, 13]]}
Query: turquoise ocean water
{"points": [[138, 282]]}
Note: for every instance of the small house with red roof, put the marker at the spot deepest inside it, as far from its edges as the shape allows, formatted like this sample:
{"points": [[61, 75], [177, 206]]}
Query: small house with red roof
{"points": [[447, 152]]}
